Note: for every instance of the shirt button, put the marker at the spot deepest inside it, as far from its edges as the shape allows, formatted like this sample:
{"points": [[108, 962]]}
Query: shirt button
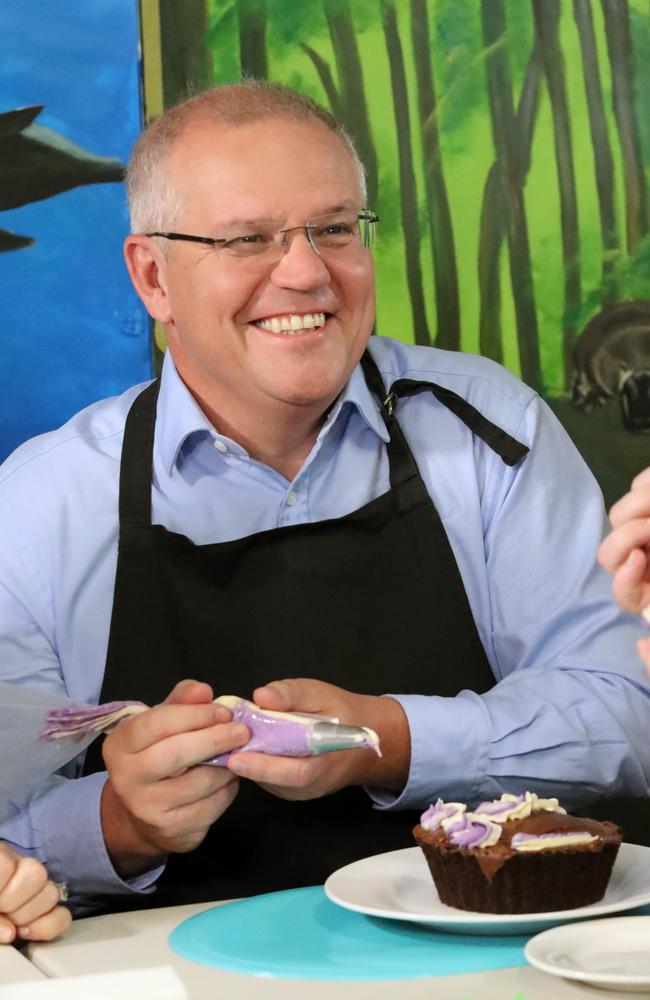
{"points": [[292, 499], [220, 446]]}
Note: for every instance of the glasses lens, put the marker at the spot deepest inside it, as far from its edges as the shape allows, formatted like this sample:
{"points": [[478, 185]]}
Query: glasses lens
{"points": [[327, 233], [334, 231], [256, 243], [368, 228]]}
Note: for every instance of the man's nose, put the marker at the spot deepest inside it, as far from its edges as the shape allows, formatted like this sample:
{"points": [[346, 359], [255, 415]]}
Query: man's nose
{"points": [[300, 266]]}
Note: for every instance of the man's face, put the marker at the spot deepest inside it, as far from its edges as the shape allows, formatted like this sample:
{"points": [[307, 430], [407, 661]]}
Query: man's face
{"points": [[221, 309]]}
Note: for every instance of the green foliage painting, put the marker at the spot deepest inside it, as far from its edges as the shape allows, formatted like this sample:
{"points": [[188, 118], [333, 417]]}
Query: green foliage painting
{"points": [[507, 147]]}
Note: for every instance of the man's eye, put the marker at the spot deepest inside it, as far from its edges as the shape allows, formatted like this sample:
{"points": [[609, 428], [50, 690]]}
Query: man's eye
{"points": [[336, 229], [248, 239]]}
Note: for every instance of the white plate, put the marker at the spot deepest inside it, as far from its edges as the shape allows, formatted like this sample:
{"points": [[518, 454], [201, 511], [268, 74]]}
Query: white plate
{"points": [[398, 885], [612, 954]]}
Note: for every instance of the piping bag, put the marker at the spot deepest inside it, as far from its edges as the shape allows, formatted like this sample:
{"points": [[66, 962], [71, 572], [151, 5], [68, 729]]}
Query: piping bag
{"points": [[42, 732]]}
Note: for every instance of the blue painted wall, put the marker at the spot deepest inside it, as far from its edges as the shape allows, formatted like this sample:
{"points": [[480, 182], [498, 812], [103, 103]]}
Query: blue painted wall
{"points": [[72, 329]]}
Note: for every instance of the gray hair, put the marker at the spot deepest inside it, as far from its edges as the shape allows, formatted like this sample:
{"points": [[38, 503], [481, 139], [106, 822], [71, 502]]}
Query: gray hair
{"points": [[153, 201]]}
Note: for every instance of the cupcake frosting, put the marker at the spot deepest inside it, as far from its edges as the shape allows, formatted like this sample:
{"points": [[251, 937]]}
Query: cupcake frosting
{"points": [[483, 827], [433, 817], [471, 830], [526, 842], [518, 806]]}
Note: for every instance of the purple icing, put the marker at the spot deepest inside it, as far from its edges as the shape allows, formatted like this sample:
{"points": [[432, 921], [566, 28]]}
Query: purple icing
{"points": [[466, 832], [434, 815], [75, 717], [499, 807], [269, 734]]}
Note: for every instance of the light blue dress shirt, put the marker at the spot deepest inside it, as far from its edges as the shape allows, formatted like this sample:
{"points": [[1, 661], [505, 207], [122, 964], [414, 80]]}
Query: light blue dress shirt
{"points": [[569, 714]]}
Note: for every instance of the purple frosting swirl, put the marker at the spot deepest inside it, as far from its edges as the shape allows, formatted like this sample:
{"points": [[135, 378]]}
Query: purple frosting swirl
{"points": [[498, 807], [469, 830], [434, 815]]}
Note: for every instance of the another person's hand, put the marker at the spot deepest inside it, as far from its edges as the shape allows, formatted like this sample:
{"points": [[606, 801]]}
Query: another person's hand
{"points": [[157, 800], [29, 902], [626, 552], [312, 777]]}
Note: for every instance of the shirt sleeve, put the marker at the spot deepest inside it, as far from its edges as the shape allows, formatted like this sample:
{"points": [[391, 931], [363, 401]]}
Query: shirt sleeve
{"points": [[73, 851], [569, 713], [59, 822]]}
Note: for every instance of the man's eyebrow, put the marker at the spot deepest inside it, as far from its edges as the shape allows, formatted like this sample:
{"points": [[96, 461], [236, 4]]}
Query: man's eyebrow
{"points": [[248, 223], [260, 220]]}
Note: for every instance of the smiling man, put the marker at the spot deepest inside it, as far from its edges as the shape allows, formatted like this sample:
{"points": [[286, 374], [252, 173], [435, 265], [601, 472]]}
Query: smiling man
{"points": [[295, 499]]}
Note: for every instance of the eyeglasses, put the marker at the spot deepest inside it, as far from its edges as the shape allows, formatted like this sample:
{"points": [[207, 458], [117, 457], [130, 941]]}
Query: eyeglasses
{"points": [[325, 234]]}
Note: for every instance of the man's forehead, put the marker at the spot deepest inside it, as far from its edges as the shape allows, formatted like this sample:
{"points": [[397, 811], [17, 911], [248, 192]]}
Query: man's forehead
{"points": [[212, 158], [225, 139]]}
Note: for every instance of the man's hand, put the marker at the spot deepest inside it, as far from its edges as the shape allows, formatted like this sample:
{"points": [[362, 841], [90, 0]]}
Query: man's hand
{"points": [[157, 800], [312, 777], [626, 552], [29, 903]]}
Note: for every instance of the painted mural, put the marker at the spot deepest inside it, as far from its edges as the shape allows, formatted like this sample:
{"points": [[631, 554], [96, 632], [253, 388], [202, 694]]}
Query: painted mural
{"points": [[507, 145], [71, 328]]}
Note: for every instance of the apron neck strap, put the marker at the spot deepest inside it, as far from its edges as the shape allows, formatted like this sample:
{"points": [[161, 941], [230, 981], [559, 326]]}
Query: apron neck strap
{"points": [[137, 458], [137, 449], [508, 448]]}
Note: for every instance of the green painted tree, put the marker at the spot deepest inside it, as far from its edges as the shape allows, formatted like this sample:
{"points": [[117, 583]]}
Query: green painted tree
{"points": [[441, 232]]}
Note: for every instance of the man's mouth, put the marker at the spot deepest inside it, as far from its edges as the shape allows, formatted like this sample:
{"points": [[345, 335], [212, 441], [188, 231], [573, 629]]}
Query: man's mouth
{"points": [[292, 324]]}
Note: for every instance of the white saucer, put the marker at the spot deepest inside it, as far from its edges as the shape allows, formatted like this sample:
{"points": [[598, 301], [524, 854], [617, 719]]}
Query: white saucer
{"points": [[610, 954], [398, 885]]}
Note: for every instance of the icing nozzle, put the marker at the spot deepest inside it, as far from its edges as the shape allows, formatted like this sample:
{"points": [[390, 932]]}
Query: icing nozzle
{"points": [[326, 736]]}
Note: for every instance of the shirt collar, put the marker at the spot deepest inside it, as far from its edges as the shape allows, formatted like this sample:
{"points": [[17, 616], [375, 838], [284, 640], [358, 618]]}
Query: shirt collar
{"points": [[179, 415], [356, 393]]}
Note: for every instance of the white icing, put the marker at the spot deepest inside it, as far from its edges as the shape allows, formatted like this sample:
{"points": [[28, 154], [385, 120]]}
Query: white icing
{"points": [[548, 841]]}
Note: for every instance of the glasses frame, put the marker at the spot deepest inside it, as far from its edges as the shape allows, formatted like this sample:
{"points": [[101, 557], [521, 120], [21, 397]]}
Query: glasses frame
{"points": [[370, 218]]}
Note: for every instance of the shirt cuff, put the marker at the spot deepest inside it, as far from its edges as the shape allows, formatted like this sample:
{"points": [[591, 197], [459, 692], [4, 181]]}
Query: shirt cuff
{"points": [[449, 741], [69, 823]]}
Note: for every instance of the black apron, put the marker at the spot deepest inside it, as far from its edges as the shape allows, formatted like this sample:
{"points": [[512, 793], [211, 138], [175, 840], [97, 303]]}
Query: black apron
{"points": [[372, 601]]}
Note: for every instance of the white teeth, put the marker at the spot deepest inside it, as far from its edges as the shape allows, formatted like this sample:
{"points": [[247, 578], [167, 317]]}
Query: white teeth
{"points": [[292, 323]]}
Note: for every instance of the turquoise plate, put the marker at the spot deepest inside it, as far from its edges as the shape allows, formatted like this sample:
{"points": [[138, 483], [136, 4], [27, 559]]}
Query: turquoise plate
{"points": [[300, 934]]}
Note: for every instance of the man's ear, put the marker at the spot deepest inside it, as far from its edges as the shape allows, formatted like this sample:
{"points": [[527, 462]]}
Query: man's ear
{"points": [[146, 265]]}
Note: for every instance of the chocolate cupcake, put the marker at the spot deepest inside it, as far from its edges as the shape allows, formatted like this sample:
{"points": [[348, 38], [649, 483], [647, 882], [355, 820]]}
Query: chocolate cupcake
{"points": [[518, 854]]}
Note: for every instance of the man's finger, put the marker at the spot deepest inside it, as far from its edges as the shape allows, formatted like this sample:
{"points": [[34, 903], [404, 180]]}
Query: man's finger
{"points": [[164, 721], [196, 784], [47, 927], [26, 882], [266, 769], [36, 907], [189, 692], [634, 505], [173, 756], [296, 694], [7, 930], [183, 827], [8, 863], [630, 585], [615, 549], [643, 646], [643, 479]]}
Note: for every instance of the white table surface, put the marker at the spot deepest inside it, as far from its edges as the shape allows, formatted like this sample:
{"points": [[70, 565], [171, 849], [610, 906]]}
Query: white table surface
{"points": [[15, 967], [138, 939]]}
